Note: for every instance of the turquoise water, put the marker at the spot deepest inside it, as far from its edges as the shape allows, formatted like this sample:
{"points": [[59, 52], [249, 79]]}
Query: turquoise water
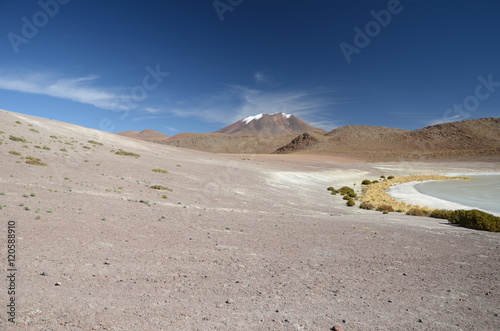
{"points": [[481, 191]]}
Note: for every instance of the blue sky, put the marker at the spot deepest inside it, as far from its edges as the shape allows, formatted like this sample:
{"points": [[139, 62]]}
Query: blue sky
{"points": [[199, 65]]}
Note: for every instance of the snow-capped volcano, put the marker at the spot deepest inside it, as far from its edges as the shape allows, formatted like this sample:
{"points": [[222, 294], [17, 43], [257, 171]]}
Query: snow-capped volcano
{"points": [[269, 124]]}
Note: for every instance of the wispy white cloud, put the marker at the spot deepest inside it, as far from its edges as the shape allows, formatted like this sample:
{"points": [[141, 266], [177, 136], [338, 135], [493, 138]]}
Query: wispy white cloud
{"points": [[237, 102], [77, 89], [260, 77], [446, 119]]}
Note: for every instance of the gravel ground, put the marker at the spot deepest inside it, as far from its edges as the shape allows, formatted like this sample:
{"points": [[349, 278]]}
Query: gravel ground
{"points": [[239, 242]]}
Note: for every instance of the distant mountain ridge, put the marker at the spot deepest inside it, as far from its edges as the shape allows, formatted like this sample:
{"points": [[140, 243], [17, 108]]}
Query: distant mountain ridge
{"points": [[269, 125], [146, 135], [478, 137]]}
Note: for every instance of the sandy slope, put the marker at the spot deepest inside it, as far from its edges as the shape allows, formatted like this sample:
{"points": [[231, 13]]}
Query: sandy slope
{"points": [[243, 242]]}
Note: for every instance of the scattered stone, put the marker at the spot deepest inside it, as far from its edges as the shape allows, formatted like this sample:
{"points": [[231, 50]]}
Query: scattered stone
{"points": [[57, 284], [44, 273], [229, 301], [337, 328]]}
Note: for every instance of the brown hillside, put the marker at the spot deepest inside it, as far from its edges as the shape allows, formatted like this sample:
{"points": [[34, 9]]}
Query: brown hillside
{"points": [[226, 143], [470, 138]]}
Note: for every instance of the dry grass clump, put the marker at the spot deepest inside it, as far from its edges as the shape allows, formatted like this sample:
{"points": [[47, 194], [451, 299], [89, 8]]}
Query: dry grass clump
{"points": [[34, 161], [122, 152], [160, 171], [374, 196], [160, 187], [20, 139]]}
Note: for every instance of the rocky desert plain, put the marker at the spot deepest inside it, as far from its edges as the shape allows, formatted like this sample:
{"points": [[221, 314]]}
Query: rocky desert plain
{"points": [[159, 237]]}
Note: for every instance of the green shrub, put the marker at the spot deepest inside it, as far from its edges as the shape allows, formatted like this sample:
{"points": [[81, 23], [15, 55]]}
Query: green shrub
{"points": [[86, 147], [347, 197], [46, 148], [34, 130], [350, 203], [382, 177], [366, 182], [21, 139], [18, 122], [160, 170], [441, 213], [160, 187], [416, 212], [475, 219], [346, 190], [122, 152], [390, 177], [63, 150], [385, 208], [15, 153], [367, 205], [95, 142], [36, 146], [375, 182], [54, 137]]}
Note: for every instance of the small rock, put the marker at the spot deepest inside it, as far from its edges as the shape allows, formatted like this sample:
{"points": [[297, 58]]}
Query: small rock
{"points": [[44, 273], [229, 301], [337, 328], [420, 321], [57, 284]]}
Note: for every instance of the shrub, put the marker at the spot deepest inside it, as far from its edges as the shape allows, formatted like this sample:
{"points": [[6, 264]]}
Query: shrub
{"points": [[86, 147], [46, 148], [375, 182], [18, 122], [475, 219], [34, 130], [36, 146], [390, 177], [164, 197], [366, 182], [346, 197], [383, 177], [367, 205], [441, 213], [95, 142], [54, 137], [122, 152], [160, 170], [333, 190], [346, 190], [160, 187], [350, 203], [385, 208], [63, 150], [14, 153], [415, 211], [21, 139]]}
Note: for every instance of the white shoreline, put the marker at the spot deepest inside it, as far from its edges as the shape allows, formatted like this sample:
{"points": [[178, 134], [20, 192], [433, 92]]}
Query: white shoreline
{"points": [[408, 193]]}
